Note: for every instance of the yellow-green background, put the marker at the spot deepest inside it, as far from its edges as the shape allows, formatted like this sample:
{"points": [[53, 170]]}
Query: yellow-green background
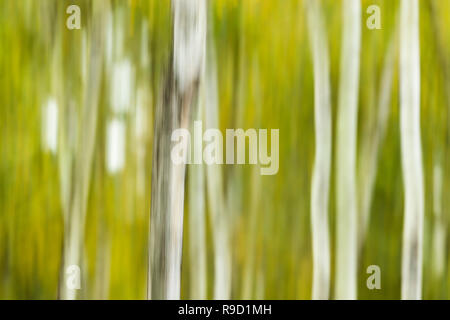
{"points": [[265, 80]]}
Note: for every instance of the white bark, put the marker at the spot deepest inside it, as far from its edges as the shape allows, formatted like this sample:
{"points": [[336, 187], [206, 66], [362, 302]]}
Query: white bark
{"points": [[167, 207], [346, 242], [321, 173], [411, 150]]}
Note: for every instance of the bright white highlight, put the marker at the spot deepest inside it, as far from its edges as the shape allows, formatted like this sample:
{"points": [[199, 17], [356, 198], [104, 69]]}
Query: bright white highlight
{"points": [[50, 126], [121, 87], [115, 146]]}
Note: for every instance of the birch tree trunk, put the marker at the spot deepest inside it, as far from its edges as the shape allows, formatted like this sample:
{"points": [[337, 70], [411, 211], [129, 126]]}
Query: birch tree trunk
{"points": [[368, 157], [197, 225], [249, 270], [346, 242], [322, 163], [167, 204], [252, 274], [439, 226], [441, 171], [215, 193], [74, 224], [411, 150], [67, 120], [444, 64]]}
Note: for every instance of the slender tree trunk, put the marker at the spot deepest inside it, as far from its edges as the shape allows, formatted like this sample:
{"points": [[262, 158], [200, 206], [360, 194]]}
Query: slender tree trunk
{"points": [[440, 170], [439, 226], [215, 193], [102, 261], [252, 279], [368, 158], [74, 225], [167, 204], [321, 174], [67, 122], [444, 64], [411, 150], [197, 225], [250, 270], [346, 242]]}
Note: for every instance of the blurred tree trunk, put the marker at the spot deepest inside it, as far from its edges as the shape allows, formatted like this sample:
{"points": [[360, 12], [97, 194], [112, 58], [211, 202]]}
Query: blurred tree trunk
{"points": [[167, 202], [346, 199], [214, 181], [253, 282], [445, 65], [74, 223], [441, 171], [411, 150], [371, 142], [250, 270], [197, 225], [439, 234], [320, 186]]}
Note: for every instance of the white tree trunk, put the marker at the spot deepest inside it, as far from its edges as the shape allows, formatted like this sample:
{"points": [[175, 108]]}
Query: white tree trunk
{"points": [[167, 202], [411, 150], [346, 242], [320, 187]]}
